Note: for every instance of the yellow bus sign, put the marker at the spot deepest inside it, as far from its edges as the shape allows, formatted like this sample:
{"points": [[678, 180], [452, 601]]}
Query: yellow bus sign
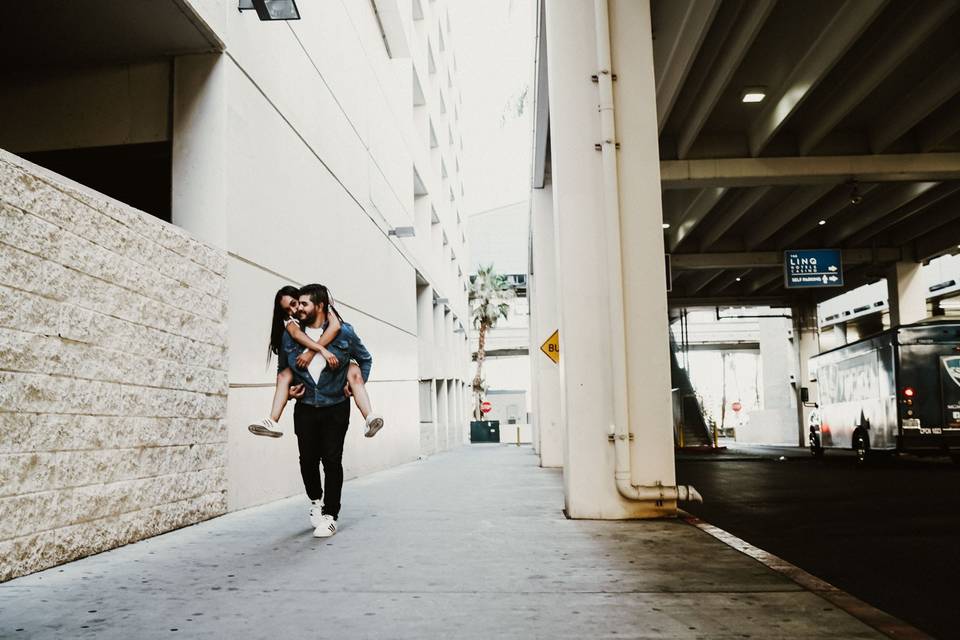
{"points": [[552, 347]]}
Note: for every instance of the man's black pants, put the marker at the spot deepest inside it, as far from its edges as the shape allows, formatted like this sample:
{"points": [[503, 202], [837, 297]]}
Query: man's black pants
{"points": [[320, 434]]}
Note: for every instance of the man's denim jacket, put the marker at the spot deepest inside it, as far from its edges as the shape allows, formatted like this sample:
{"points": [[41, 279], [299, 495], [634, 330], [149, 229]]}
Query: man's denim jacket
{"points": [[328, 390]]}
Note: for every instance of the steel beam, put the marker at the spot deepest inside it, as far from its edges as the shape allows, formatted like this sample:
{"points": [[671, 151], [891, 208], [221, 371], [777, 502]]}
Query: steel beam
{"points": [[751, 172], [674, 53], [933, 218], [700, 280], [773, 259], [926, 204], [723, 221], [832, 204], [720, 285], [729, 301], [797, 202], [695, 212], [747, 26], [939, 241], [873, 209], [938, 87], [938, 128], [760, 282], [887, 51], [832, 41]]}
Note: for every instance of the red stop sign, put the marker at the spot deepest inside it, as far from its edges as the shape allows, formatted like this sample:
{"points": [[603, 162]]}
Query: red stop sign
{"points": [[736, 406], [486, 407]]}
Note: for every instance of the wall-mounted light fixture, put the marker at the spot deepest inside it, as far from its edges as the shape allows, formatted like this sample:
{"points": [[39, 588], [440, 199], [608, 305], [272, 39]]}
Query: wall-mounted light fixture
{"points": [[402, 232], [439, 301], [271, 9]]}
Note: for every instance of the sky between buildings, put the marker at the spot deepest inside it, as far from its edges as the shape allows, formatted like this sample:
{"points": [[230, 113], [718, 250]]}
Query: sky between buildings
{"points": [[495, 58]]}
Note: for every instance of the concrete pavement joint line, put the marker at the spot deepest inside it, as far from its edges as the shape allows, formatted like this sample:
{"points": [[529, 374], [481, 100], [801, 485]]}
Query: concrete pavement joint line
{"points": [[882, 621], [509, 592]]}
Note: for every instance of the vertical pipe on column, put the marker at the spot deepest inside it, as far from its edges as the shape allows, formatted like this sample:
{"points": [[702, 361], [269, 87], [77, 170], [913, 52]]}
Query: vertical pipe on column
{"points": [[620, 429], [611, 219]]}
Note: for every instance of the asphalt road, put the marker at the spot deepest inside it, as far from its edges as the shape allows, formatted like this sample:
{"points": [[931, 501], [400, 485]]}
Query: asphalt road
{"points": [[888, 533]]}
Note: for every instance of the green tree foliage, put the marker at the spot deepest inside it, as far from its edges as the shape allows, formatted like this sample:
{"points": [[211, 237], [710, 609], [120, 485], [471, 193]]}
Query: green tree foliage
{"points": [[489, 296]]}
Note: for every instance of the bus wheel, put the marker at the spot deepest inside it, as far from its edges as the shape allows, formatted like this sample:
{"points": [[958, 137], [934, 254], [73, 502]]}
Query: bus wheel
{"points": [[861, 446], [815, 449]]}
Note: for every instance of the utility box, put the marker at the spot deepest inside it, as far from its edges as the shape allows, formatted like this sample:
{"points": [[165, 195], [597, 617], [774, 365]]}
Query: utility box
{"points": [[485, 431]]}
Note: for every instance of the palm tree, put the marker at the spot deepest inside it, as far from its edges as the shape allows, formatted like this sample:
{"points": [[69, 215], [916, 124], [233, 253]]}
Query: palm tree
{"points": [[489, 292]]}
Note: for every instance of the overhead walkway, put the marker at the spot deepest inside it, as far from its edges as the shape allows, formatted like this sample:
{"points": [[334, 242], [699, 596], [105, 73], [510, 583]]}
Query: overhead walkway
{"points": [[469, 544]]}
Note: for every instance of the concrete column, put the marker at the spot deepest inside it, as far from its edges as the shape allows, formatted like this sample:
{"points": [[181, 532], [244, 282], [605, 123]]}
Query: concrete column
{"points": [[425, 339], [448, 345], [199, 162], [457, 431], [589, 391], [544, 374], [439, 337], [907, 293], [465, 407], [778, 359], [453, 426], [442, 416], [807, 341]]}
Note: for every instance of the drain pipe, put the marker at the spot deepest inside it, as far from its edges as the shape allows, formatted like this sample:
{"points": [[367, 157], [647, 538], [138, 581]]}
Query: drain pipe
{"points": [[620, 430]]}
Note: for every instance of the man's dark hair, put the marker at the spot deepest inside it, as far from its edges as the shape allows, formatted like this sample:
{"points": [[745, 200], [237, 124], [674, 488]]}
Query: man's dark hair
{"points": [[319, 294]]}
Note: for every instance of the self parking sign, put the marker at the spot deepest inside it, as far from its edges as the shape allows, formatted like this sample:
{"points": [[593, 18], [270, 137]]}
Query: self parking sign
{"points": [[804, 268]]}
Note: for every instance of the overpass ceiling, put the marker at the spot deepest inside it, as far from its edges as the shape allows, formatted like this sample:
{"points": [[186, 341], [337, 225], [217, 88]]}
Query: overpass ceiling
{"points": [[71, 33], [860, 129]]}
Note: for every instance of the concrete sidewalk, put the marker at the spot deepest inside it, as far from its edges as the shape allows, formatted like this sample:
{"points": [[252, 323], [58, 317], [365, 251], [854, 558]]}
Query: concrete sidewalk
{"points": [[468, 544]]}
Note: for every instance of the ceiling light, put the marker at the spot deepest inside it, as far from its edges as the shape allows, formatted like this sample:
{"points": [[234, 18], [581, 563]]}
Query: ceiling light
{"points": [[855, 196], [822, 222], [666, 225], [753, 94], [738, 278]]}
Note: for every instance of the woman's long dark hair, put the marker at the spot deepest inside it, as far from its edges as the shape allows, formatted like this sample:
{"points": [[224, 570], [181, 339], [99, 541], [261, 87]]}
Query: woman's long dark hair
{"points": [[279, 316]]}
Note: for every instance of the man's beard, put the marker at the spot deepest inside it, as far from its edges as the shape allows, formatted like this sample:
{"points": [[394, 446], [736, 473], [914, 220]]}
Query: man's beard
{"points": [[308, 318]]}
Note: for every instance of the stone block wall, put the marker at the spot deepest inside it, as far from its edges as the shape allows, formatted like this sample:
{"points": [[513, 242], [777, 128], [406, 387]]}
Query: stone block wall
{"points": [[113, 373]]}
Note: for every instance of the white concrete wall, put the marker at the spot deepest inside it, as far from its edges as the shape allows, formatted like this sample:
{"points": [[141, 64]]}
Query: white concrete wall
{"points": [[318, 160], [293, 155], [499, 237], [113, 373]]}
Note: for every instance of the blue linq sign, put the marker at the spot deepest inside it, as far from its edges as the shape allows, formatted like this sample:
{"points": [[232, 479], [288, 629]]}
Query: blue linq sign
{"points": [[812, 268]]}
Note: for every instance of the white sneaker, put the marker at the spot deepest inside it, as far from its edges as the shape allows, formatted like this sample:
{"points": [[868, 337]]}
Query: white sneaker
{"points": [[326, 528], [265, 427], [374, 424], [316, 513]]}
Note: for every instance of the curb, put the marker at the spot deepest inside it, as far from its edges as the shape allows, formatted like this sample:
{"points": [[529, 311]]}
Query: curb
{"points": [[881, 621]]}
